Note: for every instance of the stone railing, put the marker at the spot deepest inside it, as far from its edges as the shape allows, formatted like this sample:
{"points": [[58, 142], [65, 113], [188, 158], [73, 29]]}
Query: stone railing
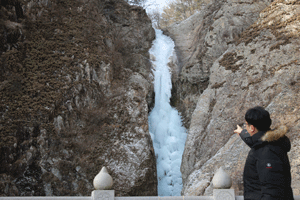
{"points": [[103, 183]]}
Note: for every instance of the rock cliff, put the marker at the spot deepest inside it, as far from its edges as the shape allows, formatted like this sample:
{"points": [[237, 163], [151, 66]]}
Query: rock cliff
{"points": [[75, 87], [243, 67], [200, 40]]}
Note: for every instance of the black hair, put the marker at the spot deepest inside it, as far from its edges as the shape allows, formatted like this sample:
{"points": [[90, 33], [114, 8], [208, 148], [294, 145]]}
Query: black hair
{"points": [[259, 118]]}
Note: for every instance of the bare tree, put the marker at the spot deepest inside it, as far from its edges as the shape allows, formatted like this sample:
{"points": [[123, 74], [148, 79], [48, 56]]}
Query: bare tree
{"points": [[179, 10], [141, 3], [155, 17]]}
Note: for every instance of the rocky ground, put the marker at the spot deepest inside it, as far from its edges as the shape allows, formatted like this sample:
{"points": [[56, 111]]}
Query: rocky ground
{"points": [[76, 89], [243, 58]]}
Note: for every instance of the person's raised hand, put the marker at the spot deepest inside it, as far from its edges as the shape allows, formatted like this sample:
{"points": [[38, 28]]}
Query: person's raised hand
{"points": [[238, 130]]}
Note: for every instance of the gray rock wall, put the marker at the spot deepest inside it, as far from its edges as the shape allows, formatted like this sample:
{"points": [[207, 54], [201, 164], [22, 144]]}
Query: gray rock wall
{"points": [[258, 65], [200, 40], [75, 87]]}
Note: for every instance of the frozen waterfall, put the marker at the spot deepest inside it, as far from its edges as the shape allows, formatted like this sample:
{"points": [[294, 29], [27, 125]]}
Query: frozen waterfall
{"points": [[165, 124]]}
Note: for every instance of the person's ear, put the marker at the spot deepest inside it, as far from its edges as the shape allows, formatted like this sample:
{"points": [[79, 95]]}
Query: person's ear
{"points": [[252, 128]]}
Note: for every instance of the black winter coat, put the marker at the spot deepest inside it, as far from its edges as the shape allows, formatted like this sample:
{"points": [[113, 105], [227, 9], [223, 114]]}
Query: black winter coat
{"points": [[267, 173]]}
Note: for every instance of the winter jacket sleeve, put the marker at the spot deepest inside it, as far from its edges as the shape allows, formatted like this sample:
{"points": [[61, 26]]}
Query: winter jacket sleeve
{"points": [[246, 137]]}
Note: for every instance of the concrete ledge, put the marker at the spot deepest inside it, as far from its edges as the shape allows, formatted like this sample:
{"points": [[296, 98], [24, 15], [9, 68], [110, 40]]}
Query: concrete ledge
{"points": [[45, 198], [136, 198], [167, 198], [123, 198], [197, 198]]}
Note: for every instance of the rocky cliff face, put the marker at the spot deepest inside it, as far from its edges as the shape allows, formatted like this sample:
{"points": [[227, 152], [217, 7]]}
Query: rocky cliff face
{"points": [[75, 88], [200, 40], [258, 66]]}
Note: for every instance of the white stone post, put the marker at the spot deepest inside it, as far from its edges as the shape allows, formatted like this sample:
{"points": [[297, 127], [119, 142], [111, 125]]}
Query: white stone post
{"points": [[222, 183], [103, 195], [103, 182]]}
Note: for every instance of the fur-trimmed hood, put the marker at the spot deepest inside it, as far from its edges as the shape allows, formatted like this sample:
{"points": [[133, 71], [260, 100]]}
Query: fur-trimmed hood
{"points": [[273, 135]]}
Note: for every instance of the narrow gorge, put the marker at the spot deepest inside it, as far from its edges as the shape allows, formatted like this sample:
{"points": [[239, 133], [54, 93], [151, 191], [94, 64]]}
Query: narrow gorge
{"points": [[78, 91]]}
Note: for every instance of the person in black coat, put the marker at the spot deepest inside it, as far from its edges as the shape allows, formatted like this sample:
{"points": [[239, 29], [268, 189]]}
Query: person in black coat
{"points": [[267, 173]]}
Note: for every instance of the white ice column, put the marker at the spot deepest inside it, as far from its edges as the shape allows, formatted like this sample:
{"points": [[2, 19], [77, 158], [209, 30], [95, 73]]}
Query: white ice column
{"points": [[165, 123]]}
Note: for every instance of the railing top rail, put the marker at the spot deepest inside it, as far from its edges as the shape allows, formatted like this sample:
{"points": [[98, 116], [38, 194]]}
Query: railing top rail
{"points": [[46, 198], [123, 198]]}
